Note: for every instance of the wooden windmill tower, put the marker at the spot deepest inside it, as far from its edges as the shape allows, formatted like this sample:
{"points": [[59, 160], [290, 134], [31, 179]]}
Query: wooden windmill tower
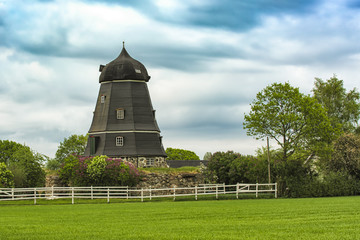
{"points": [[124, 124]]}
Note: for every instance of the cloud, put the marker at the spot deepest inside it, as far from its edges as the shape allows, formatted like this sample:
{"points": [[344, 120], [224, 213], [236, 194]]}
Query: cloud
{"points": [[207, 59]]}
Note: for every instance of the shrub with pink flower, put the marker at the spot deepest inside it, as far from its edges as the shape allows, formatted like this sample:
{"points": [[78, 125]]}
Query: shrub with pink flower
{"points": [[98, 171]]}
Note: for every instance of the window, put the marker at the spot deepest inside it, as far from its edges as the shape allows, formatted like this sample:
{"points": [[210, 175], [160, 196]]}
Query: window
{"points": [[119, 141], [150, 162], [137, 70], [102, 98], [120, 113]]}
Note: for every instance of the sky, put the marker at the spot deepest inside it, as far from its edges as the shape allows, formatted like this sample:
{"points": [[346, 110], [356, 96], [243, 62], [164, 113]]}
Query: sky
{"points": [[207, 60]]}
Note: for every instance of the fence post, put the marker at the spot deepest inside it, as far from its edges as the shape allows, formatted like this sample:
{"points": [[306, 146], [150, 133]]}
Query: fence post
{"points": [[195, 192], [216, 190], [237, 191], [174, 192], [257, 189], [142, 195], [275, 190], [92, 192], [72, 195], [108, 195], [34, 196], [12, 194], [224, 188], [127, 192], [150, 193]]}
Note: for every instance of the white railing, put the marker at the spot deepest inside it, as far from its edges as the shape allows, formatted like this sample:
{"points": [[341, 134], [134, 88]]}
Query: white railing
{"points": [[108, 193]]}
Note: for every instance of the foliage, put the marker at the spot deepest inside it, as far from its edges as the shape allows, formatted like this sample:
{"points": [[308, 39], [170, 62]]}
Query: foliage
{"points": [[295, 121], [331, 185], [98, 170], [25, 165], [73, 145], [230, 168], [181, 154], [6, 177], [343, 108], [346, 155]]}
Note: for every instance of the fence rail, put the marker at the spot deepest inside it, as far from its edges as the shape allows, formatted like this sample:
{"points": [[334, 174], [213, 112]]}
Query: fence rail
{"points": [[51, 193]]}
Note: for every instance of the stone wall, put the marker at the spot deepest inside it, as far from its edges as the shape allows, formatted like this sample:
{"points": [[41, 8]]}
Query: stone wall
{"points": [[153, 180], [53, 180], [169, 180]]}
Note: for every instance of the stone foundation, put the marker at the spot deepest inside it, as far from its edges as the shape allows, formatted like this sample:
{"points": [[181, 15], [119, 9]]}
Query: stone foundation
{"points": [[169, 180]]}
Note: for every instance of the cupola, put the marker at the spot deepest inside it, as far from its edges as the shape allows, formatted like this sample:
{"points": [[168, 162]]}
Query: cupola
{"points": [[124, 67]]}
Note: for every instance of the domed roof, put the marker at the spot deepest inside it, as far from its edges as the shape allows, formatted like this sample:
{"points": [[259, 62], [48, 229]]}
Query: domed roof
{"points": [[124, 67]]}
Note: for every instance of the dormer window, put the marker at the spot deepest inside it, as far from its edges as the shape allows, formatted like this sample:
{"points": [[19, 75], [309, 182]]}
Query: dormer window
{"points": [[119, 141], [102, 98], [120, 113], [137, 70]]}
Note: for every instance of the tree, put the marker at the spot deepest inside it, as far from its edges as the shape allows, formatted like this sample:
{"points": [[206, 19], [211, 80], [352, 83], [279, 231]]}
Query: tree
{"points": [[207, 156], [343, 108], [6, 177], [295, 121], [25, 165], [346, 155], [181, 154], [73, 145]]}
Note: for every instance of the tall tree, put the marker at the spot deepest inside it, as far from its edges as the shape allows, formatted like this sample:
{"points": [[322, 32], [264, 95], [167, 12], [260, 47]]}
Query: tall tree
{"points": [[294, 120], [75, 144], [343, 108]]}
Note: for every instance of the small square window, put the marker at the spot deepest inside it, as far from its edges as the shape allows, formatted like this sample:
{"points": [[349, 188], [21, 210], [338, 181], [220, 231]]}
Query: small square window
{"points": [[119, 141], [137, 70], [150, 162], [102, 98], [120, 113]]}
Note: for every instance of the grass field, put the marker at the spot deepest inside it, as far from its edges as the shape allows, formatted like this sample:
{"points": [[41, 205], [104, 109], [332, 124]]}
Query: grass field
{"points": [[318, 218]]}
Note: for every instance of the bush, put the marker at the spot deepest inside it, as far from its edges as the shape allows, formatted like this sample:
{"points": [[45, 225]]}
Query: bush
{"points": [[230, 168], [99, 170]]}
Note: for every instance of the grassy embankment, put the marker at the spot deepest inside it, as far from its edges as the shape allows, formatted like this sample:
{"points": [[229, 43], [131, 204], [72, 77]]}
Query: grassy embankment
{"points": [[321, 218]]}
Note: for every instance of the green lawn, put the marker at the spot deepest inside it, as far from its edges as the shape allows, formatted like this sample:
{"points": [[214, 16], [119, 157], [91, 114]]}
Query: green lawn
{"points": [[318, 218]]}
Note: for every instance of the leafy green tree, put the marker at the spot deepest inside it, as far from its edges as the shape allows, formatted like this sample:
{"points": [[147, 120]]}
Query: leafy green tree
{"points": [[7, 149], [207, 156], [346, 155], [6, 177], [294, 120], [73, 145], [23, 163], [343, 108], [181, 154]]}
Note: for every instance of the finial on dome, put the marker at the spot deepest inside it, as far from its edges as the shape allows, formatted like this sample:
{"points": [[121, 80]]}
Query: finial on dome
{"points": [[123, 44]]}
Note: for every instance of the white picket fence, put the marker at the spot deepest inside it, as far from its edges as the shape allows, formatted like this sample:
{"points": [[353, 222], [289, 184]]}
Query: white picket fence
{"points": [[50, 193]]}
